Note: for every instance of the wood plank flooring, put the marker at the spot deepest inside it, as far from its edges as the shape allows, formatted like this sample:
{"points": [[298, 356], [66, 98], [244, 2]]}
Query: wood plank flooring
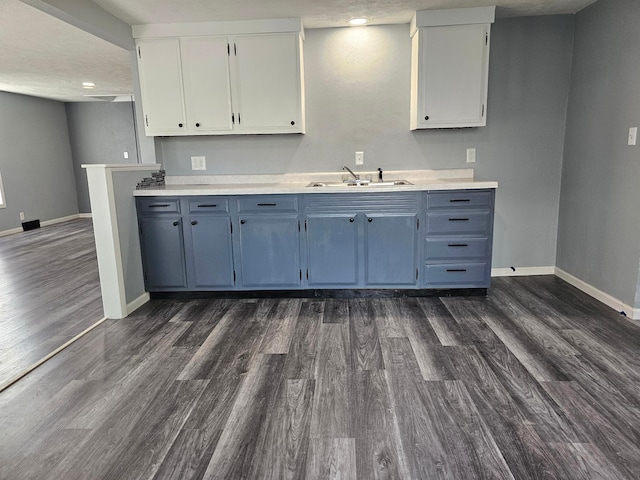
{"points": [[536, 381], [49, 292]]}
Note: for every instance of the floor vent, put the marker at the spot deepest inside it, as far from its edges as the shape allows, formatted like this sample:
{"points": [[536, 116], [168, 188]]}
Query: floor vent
{"points": [[30, 225]]}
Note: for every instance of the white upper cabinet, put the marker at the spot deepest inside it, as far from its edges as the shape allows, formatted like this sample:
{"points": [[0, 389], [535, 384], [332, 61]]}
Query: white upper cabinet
{"points": [[450, 67], [161, 85], [198, 84], [267, 83]]}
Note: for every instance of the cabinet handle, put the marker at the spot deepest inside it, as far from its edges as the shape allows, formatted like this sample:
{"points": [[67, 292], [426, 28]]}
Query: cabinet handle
{"points": [[194, 222], [267, 204], [159, 205], [176, 223], [458, 245], [351, 220], [292, 122], [242, 222], [233, 119], [458, 219], [197, 124], [212, 205], [427, 117], [456, 269], [180, 125], [457, 200], [370, 219]]}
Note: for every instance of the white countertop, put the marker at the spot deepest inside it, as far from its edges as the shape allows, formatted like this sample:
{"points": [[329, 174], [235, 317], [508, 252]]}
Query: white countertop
{"points": [[458, 179]]}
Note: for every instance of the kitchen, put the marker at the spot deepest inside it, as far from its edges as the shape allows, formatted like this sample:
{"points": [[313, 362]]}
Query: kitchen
{"points": [[552, 119]]}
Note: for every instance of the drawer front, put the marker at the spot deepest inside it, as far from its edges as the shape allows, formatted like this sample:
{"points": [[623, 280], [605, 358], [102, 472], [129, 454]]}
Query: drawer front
{"points": [[158, 205], [470, 275], [460, 199], [459, 223], [457, 248], [209, 204], [268, 203]]}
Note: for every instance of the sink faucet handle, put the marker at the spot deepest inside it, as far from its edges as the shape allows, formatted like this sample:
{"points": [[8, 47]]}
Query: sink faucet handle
{"points": [[379, 174]]}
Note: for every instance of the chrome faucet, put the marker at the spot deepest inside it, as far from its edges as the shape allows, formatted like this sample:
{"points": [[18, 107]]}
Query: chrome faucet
{"points": [[357, 177]]}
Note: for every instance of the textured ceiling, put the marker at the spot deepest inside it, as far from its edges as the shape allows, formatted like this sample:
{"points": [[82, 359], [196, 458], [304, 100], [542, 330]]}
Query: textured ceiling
{"points": [[43, 56]]}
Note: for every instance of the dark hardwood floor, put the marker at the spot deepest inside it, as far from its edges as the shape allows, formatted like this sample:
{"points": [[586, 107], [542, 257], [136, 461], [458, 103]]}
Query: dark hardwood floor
{"points": [[536, 381], [49, 292]]}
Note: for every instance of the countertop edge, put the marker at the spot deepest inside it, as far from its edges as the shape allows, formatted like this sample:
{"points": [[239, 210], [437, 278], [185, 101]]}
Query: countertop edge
{"points": [[270, 189]]}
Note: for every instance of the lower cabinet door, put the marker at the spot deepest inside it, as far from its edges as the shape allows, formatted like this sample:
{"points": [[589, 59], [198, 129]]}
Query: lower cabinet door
{"points": [[391, 249], [270, 251], [332, 249], [163, 252], [212, 254]]}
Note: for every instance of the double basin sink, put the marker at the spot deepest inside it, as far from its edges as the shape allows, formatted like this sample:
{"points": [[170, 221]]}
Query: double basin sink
{"points": [[360, 184]]}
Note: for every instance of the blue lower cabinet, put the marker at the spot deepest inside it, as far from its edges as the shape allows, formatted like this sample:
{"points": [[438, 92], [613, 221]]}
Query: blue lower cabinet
{"points": [[162, 243], [211, 254], [332, 250], [269, 255], [391, 249]]}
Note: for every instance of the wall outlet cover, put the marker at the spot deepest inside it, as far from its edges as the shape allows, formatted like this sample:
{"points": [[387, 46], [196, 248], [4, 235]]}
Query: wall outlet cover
{"points": [[471, 155], [198, 163], [359, 158], [633, 136]]}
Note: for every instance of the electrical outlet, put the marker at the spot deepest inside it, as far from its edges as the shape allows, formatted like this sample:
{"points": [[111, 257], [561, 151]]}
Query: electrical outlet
{"points": [[359, 158], [633, 135], [126, 154], [471, 155], [21, 215], [198, 163]]}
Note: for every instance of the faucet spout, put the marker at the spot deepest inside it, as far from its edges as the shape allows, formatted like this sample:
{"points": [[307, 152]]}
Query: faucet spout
{"points": [[357, 177]]}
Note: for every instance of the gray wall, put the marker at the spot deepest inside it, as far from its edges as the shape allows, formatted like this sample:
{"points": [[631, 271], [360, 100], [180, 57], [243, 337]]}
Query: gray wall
{"points": [[599, 234], [99, 133], [35, 160], [357, 92]]}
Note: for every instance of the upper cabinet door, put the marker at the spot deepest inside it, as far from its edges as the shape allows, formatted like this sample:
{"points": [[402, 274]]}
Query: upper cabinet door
{"points": [[161, 85], [207, 91], [267, 97], [450, 66]]}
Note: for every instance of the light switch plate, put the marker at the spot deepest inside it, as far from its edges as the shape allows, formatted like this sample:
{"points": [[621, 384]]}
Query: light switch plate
{"points": [[633, 136], [471, 155], [198, 163]]}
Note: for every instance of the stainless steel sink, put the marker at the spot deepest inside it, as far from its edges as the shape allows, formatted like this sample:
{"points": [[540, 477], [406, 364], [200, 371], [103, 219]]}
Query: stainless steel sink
{"points": [[360, 183]]}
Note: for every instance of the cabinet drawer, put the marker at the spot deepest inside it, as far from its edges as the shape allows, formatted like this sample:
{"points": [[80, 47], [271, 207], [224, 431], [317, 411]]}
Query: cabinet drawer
{"points": [[459, 199], [462, 222], [158, 205], [456, 248], [471, 275], [208, 204], [267, 204]]}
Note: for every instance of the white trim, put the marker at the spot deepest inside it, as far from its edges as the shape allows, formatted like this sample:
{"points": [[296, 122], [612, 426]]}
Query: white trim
{"points": [[125, 167], [451, 16], [279, 25], [29, 369], [619, 305], [3, 200], [68, 218], [137, 303], [522, 271], [46, 223]]}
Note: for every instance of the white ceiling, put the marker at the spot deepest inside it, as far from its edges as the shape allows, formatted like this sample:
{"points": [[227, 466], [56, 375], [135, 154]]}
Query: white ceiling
{"points": [[45, 57]]}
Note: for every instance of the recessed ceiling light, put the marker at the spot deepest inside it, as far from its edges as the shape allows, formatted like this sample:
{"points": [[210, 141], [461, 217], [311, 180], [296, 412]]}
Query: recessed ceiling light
{"points": [[88, 85], [358, 22]]}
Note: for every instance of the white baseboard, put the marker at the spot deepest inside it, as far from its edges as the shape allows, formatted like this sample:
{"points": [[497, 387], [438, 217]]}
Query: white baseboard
{"points": [[137, 303], [46, 223], [522, 271], [618, 305]]}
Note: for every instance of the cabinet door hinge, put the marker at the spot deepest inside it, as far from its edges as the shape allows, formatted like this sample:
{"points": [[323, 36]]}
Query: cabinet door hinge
{"points": [[233, 119], [483, 110], [416, 274], [139, 54], [305, 225], [234, 277], [228, 50], [146, 119], [231, 226], [307, 274], [417, 224], [238, 118], [300, 274], [486, 39], [235, 50], [298, 225]]}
